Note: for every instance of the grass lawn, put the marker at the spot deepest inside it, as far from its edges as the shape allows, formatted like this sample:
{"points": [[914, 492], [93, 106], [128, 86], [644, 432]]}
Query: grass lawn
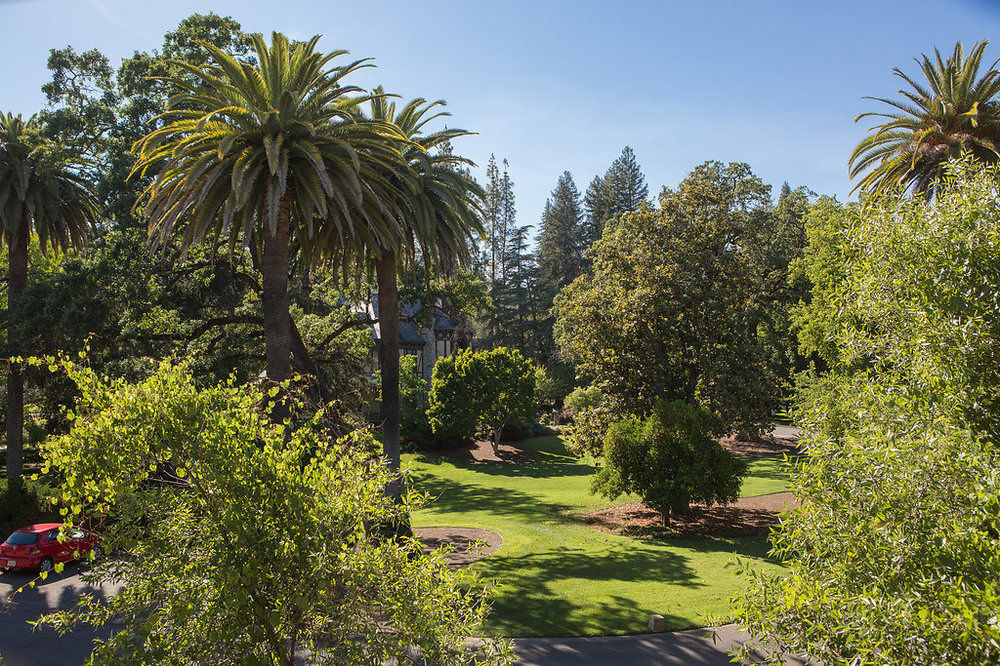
{"points": [[560, 577]]}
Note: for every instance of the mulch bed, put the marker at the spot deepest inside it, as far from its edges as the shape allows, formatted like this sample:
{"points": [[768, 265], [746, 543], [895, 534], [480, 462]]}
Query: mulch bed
{"points": [[482, 452], [767, 446], [747, 516], [469, 543]]}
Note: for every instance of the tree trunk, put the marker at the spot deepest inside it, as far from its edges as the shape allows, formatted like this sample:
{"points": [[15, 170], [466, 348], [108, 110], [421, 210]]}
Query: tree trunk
{"points": [[681, 506], [274, 298], [388, 358], [17, 277]]}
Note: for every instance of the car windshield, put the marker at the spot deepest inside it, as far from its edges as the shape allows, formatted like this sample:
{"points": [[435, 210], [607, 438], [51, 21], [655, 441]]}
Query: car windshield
{"points": [[22, 539]]}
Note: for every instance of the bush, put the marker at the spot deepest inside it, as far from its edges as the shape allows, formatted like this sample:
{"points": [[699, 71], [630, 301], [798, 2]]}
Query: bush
{"points": [[547, 390], [583, 398], [486, 390], [670, 460], [893, 556], [413, 423], [265, 549], [20, 506], [589, 429]]}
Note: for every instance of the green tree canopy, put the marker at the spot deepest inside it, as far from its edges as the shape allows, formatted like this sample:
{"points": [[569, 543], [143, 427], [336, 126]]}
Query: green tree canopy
{"points": [[893, 555], [669, 459], [490, 389], [266, 155], [246, 541], [671, 309]]}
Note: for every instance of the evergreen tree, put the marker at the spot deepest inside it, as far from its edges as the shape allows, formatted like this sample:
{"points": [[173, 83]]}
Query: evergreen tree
{"points": [[626, 184], [499, 220], [597, 204], [621, 190], [560, 242], [517, 312], [492, 212], [508, 215]]}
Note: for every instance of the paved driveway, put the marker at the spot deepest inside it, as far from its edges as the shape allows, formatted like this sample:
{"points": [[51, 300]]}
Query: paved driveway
{"points": [[694, 648], [20, 645]]}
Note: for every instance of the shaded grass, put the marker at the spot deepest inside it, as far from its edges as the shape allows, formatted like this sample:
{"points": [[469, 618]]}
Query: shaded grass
{"points": [[558, 576]]}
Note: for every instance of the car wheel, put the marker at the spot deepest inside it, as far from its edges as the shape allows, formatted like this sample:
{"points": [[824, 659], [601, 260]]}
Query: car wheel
{"points": [[98, 552], [45, 565]]}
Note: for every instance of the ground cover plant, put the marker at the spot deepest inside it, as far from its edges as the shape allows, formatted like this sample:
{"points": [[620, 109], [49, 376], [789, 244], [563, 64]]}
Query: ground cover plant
{"points": [[557, 575]]}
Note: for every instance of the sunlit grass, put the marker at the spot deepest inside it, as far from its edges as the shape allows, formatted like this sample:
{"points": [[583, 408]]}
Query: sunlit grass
{"points": [[559, 576]]}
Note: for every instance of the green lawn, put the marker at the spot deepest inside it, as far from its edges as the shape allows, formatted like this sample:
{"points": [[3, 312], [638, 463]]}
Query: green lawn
{"points": [[558, 576]]}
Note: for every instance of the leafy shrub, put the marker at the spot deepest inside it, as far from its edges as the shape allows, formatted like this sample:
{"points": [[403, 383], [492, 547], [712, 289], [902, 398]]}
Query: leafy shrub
{"points": [[522, 430], [451, 412], [556, 417], [669, 460], [484, 389], [589, 429], [582, 398], [24, 505], [284, 557], [893, 556], [547, 389], [413, 423]]}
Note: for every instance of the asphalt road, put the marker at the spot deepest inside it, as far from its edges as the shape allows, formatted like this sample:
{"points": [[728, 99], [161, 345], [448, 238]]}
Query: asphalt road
{"points": [[697, 647], [20, 644]]}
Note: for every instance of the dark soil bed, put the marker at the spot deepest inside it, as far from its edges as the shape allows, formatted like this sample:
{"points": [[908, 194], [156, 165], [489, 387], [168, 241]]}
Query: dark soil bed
{"points": [[747, 516], [469, 543]]}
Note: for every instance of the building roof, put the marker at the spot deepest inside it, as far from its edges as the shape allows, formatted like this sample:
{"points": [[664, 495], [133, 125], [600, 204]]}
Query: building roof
{"points": [[409, 331]]}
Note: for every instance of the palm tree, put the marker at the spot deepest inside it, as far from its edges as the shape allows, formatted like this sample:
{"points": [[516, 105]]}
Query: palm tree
{"points": [[42, 191], [955, 112], [442, 205], [268, 154]]}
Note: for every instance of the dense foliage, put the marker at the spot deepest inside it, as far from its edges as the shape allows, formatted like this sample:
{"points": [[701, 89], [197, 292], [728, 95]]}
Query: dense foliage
{"points": [[583, 398], [894, 555], [245, 540], [485, 389], [672, 307], [670, 459]]}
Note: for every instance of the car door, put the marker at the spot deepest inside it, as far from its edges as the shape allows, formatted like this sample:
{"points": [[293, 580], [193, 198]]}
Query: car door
{"points": [[78, 543], [52, 548]]}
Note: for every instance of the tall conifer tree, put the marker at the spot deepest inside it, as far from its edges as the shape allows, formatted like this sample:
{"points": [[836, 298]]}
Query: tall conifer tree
{"points": [[492, 219], [621, 190], [560, 242], [626, 183]]}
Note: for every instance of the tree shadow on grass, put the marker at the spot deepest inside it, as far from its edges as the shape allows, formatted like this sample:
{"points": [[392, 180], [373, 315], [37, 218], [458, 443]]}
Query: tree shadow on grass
{"points": [[544, 466], [458, 497], [532, 604], [772, 467], [549, 459]]}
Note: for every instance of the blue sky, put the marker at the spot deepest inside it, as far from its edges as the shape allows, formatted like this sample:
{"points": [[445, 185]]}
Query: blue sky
{"points": [[556, 86]]}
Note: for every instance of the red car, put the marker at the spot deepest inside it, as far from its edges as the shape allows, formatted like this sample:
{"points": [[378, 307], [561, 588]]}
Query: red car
{"points": [[38, 547]]}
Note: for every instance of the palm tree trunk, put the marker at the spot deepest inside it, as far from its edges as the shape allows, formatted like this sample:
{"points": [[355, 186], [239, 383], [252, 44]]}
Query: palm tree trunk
{"points": [[388, 358], [274, 298], [17, 277]]}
